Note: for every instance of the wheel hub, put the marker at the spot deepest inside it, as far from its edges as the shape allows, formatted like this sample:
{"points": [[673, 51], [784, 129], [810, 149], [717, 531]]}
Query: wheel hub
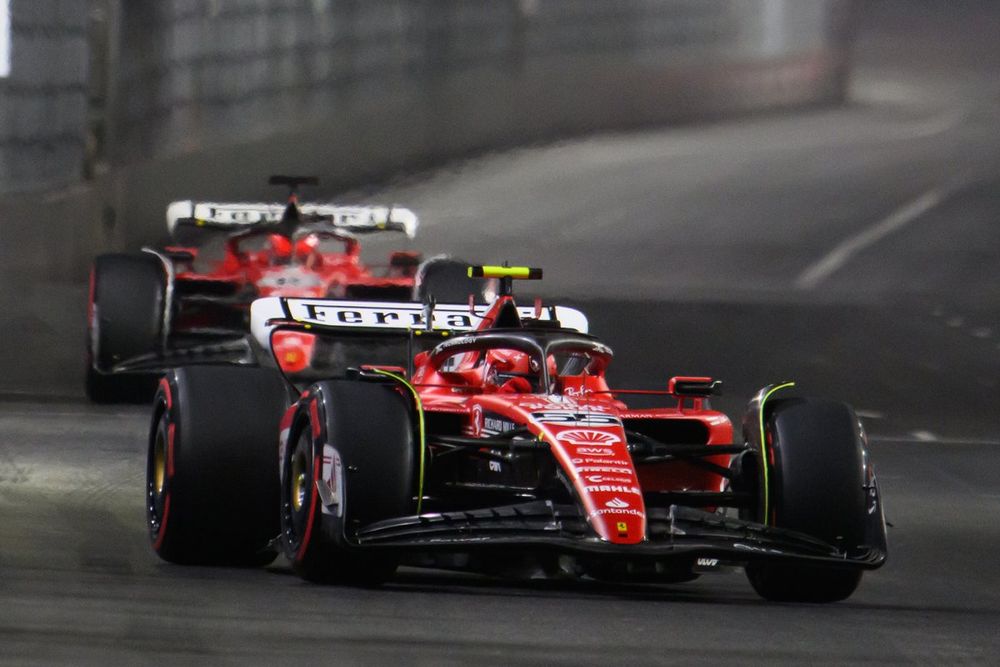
{"points": [[159, 464], [300, 482]]}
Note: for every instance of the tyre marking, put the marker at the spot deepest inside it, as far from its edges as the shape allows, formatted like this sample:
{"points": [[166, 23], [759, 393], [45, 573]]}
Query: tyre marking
{"points": [[314, 419], [162, 532], [317, 463], [165, 386], [765, 453], [420, 426], [170, 449]]}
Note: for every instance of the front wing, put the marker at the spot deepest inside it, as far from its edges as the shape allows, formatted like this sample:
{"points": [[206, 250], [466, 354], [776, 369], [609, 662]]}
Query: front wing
{"points": [[678, 532]]}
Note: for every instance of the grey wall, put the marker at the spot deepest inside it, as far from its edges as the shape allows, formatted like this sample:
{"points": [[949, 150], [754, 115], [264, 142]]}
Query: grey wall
{"points": [[153, 100], [43, 102], [196, 74]]}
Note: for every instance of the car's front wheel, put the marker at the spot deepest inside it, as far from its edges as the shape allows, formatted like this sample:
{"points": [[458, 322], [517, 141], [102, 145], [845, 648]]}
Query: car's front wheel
{"points": [[815, 484], [350, 461]]}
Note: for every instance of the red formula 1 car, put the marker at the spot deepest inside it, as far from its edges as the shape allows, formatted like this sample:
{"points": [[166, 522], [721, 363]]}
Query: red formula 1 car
{"points": [[157, 304], [500, 448]]}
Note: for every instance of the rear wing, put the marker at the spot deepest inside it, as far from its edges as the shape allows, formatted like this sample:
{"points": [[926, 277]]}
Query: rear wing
{"points": [[382, 317], [245, 216]]}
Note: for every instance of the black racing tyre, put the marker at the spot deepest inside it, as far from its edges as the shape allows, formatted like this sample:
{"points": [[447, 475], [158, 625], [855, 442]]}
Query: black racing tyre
{"points": [[356, 441], [447, 281], [816, 487], [124, 319], [212, 467]]}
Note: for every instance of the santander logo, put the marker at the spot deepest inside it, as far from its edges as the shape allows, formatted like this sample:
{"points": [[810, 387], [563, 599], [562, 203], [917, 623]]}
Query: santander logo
{"points": [[616, 503], [587, 436]]}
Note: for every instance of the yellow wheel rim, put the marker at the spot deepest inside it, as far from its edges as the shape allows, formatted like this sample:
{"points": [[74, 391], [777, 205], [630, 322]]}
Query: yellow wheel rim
{"points": [[159, 464], [300, 482]]}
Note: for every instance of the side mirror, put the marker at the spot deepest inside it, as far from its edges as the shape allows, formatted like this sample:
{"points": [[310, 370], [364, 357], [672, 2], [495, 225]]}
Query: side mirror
{"points": [[701, 387]]}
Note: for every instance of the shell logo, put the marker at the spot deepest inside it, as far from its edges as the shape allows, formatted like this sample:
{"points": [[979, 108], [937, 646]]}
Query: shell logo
{"points": [[586, 436]]}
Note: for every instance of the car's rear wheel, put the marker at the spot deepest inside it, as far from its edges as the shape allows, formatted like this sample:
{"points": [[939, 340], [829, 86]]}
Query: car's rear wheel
{"points": [[816, 486], [350, 462], [447, 281], [125, 319], [212, 465]]}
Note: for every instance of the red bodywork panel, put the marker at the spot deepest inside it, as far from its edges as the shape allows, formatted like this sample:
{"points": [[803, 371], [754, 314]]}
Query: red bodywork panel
{"points": [[278, 269], [583, 424], [302, 271]]}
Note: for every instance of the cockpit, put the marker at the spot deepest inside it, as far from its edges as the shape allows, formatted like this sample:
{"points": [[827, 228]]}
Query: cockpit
{"points": [[521, 361]]}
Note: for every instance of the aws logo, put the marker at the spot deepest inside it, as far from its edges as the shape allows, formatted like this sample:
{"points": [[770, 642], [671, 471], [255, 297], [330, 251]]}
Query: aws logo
{"points": [[595, 451]]}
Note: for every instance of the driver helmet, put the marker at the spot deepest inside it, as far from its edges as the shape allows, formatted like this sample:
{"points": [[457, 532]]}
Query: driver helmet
{"points": [[512, 370], [305, 246], [281, 247]]}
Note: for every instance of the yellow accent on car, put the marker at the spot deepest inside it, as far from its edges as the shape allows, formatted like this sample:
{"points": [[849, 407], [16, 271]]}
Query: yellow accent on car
{"points": [[763, 449], [420, 421], [518, 272]]}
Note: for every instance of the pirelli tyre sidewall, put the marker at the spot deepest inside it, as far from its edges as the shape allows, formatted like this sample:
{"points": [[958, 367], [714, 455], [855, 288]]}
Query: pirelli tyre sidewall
{"points": [[124, 320], [211, 472], [817, 486], [355, 442]]}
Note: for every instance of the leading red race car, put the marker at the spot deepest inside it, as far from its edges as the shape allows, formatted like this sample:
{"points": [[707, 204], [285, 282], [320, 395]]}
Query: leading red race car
{"points": [[183, 300], [502, 449]]}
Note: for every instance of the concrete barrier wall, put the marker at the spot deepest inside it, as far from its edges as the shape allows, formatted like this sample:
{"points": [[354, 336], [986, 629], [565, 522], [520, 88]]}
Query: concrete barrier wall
{"points": [[205, 98], [359, 88], [246, 67], [195, 74], [43, 103]]}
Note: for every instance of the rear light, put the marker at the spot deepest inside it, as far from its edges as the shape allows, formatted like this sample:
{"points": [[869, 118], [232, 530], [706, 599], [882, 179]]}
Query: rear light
{"points": [[293, 351], [293, 361]]}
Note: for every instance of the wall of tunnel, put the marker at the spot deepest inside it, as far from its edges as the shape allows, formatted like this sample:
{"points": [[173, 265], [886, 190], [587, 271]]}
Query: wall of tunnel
{"points": [[111, 109]]}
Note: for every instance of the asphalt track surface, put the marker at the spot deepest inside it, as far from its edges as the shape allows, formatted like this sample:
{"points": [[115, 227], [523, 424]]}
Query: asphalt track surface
{"points": [[854, 250]]}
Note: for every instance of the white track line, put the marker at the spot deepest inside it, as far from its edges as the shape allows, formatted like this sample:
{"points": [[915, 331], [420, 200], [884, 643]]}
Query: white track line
{"points": [[840, 255]]}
